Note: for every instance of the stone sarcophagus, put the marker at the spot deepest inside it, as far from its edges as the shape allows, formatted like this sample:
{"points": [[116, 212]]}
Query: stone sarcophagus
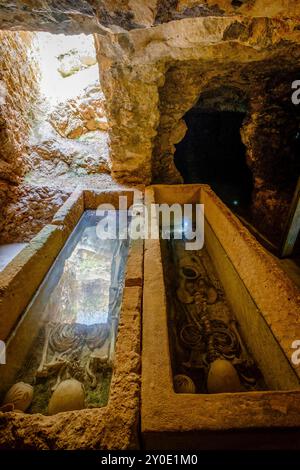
{"points": [[218, 330], [70, 318]]}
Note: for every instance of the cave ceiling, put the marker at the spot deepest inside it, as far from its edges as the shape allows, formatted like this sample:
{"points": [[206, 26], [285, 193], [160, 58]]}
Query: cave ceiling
{"points": [[101, 16]]}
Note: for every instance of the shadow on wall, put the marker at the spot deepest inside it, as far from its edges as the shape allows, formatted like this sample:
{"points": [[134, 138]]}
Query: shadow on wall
{"points": [[212, 152]]}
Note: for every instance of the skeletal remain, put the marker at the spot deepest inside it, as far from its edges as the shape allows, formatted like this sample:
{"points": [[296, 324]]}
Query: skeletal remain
{"points": [[48, 328], [183, 294], [51, 368], [59, 376], [97, 335], [233, 326], [90, 373], [65, 337]]}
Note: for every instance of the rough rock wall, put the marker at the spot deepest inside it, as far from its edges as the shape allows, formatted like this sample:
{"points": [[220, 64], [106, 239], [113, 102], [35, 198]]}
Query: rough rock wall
{"points": [[19, 85], [76, 16], [152, 77], [69, 135], [269, 131], [188, 56], [30, 208], [169, 10], [271, 136], [48, 145], [132, 110], [100, 16]]}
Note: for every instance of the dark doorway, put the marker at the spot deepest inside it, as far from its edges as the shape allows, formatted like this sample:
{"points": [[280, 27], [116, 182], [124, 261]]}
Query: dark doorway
{"points": [[212, 152]]}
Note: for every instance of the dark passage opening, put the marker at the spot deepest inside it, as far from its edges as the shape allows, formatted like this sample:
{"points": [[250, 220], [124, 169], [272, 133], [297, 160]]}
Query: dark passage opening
{"points": [[212, 152]]}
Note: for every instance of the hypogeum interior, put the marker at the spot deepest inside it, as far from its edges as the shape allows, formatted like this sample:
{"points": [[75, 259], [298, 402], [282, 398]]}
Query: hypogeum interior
{"points": [[161, 102]]}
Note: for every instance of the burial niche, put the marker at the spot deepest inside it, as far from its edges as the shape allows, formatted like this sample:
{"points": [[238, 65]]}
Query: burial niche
{"points": [[212, 151]]}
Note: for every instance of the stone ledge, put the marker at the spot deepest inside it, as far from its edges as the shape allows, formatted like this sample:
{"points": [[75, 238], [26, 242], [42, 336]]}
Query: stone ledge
{"points": [[93, 198], [70, 212], [271, 289], [22, 276]]}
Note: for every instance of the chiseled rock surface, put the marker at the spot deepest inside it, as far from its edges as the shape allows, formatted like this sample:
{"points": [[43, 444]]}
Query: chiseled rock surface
{"points": [[18, 92], [169, 10], [32, 204], [152, 77], [43, 157], [28, 209], [102, 16], [55, 156], [143, 99], [76, 16], [80, 115]]}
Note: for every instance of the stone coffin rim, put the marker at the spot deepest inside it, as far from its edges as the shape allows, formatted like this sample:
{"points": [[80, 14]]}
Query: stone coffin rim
{"points": [[163, 410], [113, 425]]}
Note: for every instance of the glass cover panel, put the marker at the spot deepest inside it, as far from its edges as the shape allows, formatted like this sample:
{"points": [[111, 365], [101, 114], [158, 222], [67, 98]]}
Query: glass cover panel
{"points": [[69, 329]]}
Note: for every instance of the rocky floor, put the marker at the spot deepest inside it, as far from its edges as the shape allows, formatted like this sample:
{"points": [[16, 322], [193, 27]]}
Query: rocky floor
{"points": [[8, 252], [53, 155], [34, 203]]}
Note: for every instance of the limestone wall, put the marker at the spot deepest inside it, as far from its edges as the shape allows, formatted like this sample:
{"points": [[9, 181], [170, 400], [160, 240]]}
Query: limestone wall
{"points": [[152, 77], [89, 16], [114, 426], [19, 88]]}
